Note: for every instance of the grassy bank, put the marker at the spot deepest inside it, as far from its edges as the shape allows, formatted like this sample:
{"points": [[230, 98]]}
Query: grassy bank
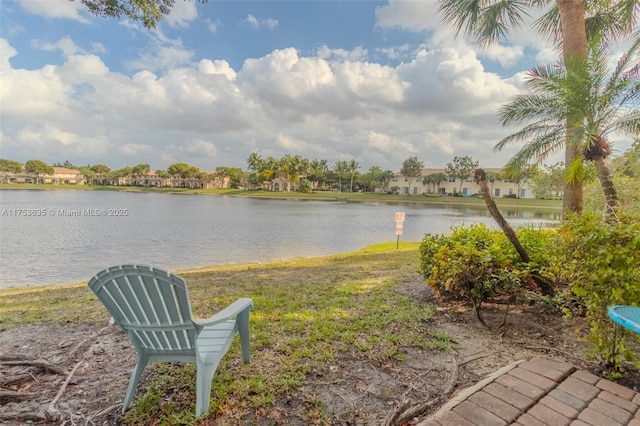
{"points": [[321, 195], [307, 312]]}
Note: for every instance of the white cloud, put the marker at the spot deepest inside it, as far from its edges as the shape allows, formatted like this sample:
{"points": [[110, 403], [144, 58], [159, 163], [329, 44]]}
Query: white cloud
{"points": [[6, 53], [55, 9], [65, 45], [182, 14], [213, 25], [256, 23]]}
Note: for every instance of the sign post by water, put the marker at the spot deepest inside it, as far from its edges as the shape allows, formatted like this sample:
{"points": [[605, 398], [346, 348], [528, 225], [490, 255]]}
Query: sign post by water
{"points": [[399, 224]]}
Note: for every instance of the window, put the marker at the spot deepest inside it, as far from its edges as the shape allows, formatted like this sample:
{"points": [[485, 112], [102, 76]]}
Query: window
{"points": [[496, 192], [452, 179]]}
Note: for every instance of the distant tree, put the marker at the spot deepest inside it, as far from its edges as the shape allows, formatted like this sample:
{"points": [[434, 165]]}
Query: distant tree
{"points": [[37, 167], [10, 166], [411, 168], [387, 175], [521, 176], [141, 170], [181, 169], [493, 177], [234, 174], [352, 168], [89, 175], [100, 169], [628, 164], [340, 168], [318, 172], [549, 181], [461, 168], [255, 162], [304, 186], [148, 12]]}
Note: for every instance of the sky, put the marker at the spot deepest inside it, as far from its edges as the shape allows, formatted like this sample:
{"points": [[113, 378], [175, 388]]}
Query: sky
{"points": [[371, 81]]}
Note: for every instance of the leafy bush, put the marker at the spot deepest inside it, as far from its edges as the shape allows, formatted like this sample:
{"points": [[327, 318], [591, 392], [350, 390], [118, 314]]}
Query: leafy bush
{"points": [[471, 263], [600, 261]]}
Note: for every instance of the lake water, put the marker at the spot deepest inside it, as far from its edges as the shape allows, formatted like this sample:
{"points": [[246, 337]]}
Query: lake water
{"points": [[65, 236]]}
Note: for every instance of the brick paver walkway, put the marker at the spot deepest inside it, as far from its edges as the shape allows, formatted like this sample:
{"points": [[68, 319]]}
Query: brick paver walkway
{"points": [[541, 392]]}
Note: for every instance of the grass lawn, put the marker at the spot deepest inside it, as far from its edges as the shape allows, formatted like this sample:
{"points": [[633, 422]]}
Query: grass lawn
{"points": [[307, 312]]}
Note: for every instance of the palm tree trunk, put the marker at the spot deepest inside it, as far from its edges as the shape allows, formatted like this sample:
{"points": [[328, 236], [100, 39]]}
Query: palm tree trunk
{"points": [[609, 189], [574, 47], [481, 179]]}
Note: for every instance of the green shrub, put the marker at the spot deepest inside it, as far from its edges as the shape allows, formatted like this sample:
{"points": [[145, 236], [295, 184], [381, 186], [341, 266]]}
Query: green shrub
{"points": [[601, 262], [471, 263]]}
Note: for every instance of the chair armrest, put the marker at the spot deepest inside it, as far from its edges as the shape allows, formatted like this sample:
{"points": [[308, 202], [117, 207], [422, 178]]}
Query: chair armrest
{"points": [[233, 309]]}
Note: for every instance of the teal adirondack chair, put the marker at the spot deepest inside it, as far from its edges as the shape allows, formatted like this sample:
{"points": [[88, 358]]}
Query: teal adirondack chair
{"points": [[152, 307]]}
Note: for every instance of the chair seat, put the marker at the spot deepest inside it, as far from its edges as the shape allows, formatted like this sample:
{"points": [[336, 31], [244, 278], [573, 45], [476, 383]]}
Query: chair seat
{"points": [[626, 316], [213, 341]]}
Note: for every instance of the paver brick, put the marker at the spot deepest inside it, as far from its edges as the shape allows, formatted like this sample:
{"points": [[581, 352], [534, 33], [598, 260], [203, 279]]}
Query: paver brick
{"points": [[559, 406], [625, 404], [521, 386], [554, 370], [618, 414], [568, 399], [506, 412], [477, 415], [636, 399], [529, 420], [450, 418], [533, 378], [592, 417], [616, 389], [516, 399], [579, 423], [634, 422], [585, 376], [548, 416], [579, 389]]}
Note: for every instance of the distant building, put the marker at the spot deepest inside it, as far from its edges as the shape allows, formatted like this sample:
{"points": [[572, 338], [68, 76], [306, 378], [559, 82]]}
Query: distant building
{"points": [[449, 186], [60, 176]]}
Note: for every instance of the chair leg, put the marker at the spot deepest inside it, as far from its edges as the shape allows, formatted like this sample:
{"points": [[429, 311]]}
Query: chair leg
{"points": [[204, 376], [243, 328], [134, 380]]}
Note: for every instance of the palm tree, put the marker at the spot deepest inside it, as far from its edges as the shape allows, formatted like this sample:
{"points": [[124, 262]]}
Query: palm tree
{"points": [[607, 102], [571, 22], [352, 167], [340, 168], [255, 162]]}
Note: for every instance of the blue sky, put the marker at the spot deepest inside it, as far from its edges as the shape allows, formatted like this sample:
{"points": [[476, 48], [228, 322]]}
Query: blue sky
{"points": [[372, 81]]}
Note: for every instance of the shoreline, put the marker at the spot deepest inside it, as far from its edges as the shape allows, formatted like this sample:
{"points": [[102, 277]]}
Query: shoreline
{"points": [[356, 197]]}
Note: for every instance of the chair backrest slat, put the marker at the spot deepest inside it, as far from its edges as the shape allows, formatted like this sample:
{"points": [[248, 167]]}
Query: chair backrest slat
{"points": [[151, 305]]}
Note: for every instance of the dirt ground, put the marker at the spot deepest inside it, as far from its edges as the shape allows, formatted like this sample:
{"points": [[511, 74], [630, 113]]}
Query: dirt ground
{"points": [[78, 375]]}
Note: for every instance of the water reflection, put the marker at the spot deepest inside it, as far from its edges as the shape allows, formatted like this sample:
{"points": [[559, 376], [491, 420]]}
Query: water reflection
{"points": [[188, 231]]}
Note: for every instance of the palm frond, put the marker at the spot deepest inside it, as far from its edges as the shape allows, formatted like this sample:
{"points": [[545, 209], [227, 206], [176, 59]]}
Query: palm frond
{"points": [[525, 108], [484, 21], [549, 25], [499, 18]]}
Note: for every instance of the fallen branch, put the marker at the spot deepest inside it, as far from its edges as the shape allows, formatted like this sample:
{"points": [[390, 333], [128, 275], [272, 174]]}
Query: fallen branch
{"points": [[390, 419], [403, 413], [64, 386], [27, 416], [475, 357], [102, 413], [11, 394], [12, 379], [39, 363]]}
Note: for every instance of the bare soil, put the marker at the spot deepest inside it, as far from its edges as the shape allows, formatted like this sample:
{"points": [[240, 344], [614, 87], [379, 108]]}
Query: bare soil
{"points": [[94, 367]]}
